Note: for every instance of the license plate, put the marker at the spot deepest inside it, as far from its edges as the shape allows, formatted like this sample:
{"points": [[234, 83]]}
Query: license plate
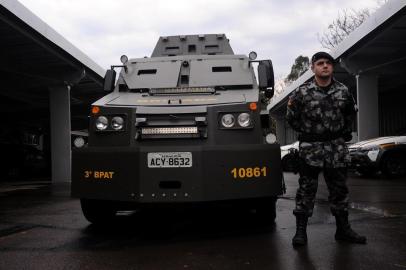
{"points": [[170, 160]]}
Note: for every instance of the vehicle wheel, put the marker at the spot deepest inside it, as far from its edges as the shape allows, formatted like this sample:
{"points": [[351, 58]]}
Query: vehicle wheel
{"points": [[394, 165], [98, 211], [266, 210], [366, 172]]}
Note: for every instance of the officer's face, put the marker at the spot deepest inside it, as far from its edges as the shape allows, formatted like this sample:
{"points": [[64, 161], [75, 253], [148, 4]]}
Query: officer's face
{"points": [[322, 68]]}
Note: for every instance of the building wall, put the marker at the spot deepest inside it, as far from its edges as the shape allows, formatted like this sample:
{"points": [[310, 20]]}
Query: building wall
{"points": [[392, 113]]}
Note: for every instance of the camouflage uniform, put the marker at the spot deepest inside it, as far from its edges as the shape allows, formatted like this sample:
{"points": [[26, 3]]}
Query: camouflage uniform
{"points": [[323, 118]]}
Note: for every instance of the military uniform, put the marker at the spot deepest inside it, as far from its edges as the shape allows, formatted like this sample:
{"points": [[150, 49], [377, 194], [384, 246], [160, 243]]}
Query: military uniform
{"points": [[324, 118]]}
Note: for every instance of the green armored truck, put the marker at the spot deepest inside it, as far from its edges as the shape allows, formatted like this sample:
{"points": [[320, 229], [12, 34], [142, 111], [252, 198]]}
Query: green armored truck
{"points": [[184, 126]]}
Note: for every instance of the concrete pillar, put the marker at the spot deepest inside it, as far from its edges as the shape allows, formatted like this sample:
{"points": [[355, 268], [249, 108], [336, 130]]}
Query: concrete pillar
{"points": [[280, 129], [368, 115], [59, 99]]}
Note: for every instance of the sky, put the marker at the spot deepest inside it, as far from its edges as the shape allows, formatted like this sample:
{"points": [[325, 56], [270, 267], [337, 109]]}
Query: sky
{"points": [[279, 30]]}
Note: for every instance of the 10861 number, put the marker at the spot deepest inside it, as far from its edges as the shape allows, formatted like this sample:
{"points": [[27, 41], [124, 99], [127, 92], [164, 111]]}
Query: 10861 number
{"points": [[256, 172]]}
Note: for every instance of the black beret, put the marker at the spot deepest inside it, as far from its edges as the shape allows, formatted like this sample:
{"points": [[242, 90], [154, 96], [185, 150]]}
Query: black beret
{"points": [[320, 55]]}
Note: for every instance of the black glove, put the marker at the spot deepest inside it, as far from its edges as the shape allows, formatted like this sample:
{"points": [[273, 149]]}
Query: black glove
{"points": [[347, 136]]}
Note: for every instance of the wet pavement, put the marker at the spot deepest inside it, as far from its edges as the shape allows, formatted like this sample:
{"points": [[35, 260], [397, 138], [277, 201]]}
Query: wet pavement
{"points": [[41, 227]]}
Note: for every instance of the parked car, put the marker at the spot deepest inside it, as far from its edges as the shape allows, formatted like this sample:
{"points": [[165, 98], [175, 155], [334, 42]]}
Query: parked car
{"points": [[382, 154], [24, 154], [287, 152]]}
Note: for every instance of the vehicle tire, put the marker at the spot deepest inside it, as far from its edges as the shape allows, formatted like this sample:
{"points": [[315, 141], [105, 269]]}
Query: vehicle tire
{"points": [[366, 172], [394, 165], [265, 210], [98, 211]]}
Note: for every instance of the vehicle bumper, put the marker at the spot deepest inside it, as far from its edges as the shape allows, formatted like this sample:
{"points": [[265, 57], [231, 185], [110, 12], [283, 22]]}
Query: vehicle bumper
{"points": [[362, 160], [218, 173]]}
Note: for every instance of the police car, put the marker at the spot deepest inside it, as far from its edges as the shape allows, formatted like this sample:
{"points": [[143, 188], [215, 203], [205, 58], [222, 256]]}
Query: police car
{"points": [[287, 156], [382, 154]]}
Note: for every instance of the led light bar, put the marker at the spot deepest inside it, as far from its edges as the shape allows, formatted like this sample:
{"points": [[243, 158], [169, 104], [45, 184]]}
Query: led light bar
{"points": [[183, 90], [168, 130]]}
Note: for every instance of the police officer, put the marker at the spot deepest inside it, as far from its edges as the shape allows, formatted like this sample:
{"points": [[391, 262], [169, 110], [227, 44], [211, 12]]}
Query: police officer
{"points": [[322, 111]]}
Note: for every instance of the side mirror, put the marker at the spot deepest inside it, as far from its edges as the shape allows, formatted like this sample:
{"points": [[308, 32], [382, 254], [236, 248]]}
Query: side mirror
{"points": [[109, 80], [266, 80]]}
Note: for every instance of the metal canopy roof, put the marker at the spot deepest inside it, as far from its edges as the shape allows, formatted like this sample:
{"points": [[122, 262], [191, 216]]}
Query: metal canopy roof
{"points": [[378, 46], [35, 58]]}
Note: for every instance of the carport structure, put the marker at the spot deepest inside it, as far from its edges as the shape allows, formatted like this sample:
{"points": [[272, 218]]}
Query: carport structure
{"points": [[44, 80], [372, 62]]}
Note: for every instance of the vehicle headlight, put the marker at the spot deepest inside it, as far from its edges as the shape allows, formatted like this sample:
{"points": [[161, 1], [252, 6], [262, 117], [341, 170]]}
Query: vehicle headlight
{"points": [[117, 123], [370, 148], [244, 119], [102, 122], [79, 142], [228, 120], [373, 154]]}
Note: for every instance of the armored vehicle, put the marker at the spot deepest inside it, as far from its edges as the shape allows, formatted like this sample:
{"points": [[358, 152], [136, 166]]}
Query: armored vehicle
{"points": [[183, 126]]}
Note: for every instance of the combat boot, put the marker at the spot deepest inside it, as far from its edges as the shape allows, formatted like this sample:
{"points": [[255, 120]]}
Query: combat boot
{"points": [[344, 231], [300, 238]]}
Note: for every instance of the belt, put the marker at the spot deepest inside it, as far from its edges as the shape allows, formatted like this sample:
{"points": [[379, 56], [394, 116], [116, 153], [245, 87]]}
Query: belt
{"points": [[311, 137]]}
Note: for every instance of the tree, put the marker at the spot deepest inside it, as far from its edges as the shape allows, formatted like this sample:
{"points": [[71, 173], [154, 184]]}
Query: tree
{"points": [[280, 84], [300, 66], [346, 22]]}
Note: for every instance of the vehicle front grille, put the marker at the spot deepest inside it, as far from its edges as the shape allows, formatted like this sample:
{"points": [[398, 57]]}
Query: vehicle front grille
{"points": [[170, 126], [182, 90], [171, 132]]}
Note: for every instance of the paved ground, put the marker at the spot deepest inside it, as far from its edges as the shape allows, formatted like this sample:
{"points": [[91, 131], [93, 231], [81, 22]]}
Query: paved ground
{"points": [[41, 227]]}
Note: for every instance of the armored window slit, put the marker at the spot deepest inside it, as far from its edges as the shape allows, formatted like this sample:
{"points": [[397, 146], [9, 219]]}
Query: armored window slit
{"points": [[171, 48], [221, 69], [211, 46], [146, 71]]}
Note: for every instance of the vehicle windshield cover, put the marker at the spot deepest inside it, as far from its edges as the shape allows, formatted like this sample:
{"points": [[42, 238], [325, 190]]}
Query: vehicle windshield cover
{"points": [[227, 73]]}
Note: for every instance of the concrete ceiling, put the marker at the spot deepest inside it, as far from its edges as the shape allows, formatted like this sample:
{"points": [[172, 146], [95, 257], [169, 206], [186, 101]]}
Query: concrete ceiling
{"points": [[378, 46], [31, 64], [382, 52]]}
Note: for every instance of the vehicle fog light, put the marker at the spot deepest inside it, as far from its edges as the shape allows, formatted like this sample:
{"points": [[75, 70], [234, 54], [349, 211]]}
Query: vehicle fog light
{"points": [[102, 122], [244, 119], [79, 142], [117, 123], [271, 138], [228, 120]]}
